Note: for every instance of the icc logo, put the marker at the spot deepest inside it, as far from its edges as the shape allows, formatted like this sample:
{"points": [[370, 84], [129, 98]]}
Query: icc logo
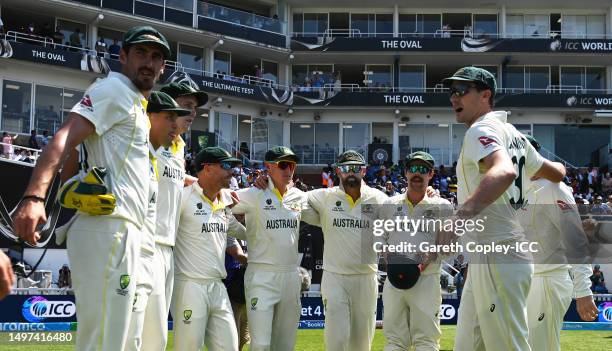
{"points": [[36, 309], [447, 312], [605, 312], [571, 101]]}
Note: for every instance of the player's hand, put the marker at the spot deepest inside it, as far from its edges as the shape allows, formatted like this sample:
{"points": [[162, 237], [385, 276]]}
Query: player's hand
{"points": [[6, 275], [261, 182], [235, 199], [587, 310], [28, 218], [431, 192], [190, 180], [89, 195]]}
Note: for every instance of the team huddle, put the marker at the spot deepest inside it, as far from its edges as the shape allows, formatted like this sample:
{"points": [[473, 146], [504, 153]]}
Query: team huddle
{"points": [[147, 239]]}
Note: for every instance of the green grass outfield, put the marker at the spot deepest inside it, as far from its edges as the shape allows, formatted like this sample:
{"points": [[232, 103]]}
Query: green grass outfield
{"points": [[312, 340]]}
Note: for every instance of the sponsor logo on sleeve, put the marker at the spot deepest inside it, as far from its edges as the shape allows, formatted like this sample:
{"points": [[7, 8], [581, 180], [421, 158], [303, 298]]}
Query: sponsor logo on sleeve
{"points": [[86, 102], [486, 141]]}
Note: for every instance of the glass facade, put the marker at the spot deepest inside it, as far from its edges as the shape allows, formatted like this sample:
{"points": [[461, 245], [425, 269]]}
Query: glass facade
{"points": [[226, 130], [412, 78], [222, 64], [191, 57], [47, 113], [16, 105], [356, 136], [485, 26]]}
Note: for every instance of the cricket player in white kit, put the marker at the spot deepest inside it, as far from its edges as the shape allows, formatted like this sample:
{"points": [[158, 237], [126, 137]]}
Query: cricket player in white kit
{"points": [[411, 310], [163, 112], [103, 251], [550, 216], [272, 282], [494, 161], [349, 286], [171, 170], [201, 309]]}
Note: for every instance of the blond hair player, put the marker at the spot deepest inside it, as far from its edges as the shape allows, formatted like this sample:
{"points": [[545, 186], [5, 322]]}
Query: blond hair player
{"points": [[493, 164], [103, 251]]}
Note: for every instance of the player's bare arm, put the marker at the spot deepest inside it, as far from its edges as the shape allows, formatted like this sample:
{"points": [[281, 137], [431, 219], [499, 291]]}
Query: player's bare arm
{"points": [[586, 308], [499, 176], [237, 253], [553, 171], [31, 212], [6, 275]]}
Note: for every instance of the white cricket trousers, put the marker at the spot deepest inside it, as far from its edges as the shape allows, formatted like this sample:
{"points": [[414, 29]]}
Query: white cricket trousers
{"points": [[144, 286], [549, 298], [493, 309], [155, 333], [350, 310], [412, 316], [202, 315], [103, 253], [273, 306]]}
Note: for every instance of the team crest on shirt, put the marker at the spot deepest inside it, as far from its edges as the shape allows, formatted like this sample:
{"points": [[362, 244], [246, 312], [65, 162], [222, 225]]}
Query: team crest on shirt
{"points": [[486, 141], [338, 207], [199, 211], [254, 303], [269, 206], [124, 282], [86, 102], [367, 208], [564, 206], [187, 316]]}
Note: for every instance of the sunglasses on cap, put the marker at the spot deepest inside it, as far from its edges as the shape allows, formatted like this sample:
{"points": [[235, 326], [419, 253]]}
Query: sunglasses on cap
{"points": [[285, 164], [351, 168], [419, 169], [460, 89], [226, 166]]}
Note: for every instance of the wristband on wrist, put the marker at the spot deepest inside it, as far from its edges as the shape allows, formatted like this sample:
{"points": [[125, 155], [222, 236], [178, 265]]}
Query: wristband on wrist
{"points": [[33, 197]]}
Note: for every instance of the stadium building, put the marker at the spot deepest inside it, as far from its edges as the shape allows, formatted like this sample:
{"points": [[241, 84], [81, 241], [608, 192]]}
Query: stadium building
{"points": [[323, 77]]}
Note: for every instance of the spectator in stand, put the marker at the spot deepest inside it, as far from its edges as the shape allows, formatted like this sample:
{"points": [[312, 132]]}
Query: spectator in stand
{"points": [[606, 184], [33, 141], [101, 47], [65, 279], [75, 38], [258, 72], [1, 26], [31, 29], [459, 279], [114, 49], [609, 203], [598, 283], [593, 179], [390, 189], [47, 31], [458, 262], [7, 147], [444, 184], [43, 139], [599, 207], [58, 36]]}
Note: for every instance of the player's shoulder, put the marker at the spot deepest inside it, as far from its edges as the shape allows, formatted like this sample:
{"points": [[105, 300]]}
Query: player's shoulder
{"points": [[436, 200], [374, 195], [396, 199]]}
